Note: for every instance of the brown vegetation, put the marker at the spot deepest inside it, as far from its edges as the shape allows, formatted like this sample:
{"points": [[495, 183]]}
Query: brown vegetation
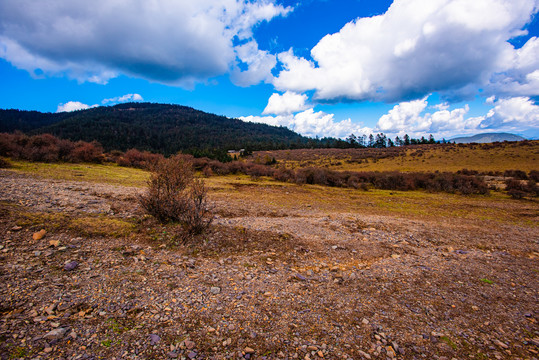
{"points": [[175, 195]]}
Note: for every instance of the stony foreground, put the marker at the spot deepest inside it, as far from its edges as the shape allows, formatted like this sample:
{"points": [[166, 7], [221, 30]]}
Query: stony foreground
{"points": [[296, 283]]}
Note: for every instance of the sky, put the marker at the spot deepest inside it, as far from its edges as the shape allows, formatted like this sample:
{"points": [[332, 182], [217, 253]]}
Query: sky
{"points": [[319, 67]]}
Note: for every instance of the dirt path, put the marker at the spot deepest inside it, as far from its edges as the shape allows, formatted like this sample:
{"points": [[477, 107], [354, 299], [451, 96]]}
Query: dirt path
{"points": [[302, 284]]}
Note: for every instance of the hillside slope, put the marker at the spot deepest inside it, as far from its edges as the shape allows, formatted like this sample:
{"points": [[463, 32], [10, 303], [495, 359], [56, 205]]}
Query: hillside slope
{"points": [[155, 127], [487, 138]]}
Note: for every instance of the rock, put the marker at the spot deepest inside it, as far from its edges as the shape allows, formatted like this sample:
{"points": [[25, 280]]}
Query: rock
{"points": [[215, 290], [16, 228], [395, 256], [55, 334], [172, 355], [48, 350], [189, 344], [37, 253], [154, 339], [50, 309], [54, 243], [500, 344], [298, 277], [390, 352], [249, 350], [72, 265], [39, 235], [365, 321], [364, 354], [192, 355]]}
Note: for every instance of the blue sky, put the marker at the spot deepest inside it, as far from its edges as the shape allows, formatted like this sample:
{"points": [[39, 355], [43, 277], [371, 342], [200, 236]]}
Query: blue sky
{"points": [[319, 67]]}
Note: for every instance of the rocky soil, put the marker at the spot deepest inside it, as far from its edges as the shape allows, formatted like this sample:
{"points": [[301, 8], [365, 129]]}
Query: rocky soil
{"points": [[263, 284]]}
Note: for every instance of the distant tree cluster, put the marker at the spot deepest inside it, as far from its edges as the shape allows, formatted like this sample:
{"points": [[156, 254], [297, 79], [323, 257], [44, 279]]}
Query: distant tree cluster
{"points": [[382, 141]]}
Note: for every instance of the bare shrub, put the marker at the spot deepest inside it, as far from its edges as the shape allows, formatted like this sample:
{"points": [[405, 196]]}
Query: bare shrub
{"points": [[139, 159], [534, 175], [175, 195]]}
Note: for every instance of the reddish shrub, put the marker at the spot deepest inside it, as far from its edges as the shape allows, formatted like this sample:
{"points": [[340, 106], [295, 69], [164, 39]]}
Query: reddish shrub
{"points": [[139, 159], [87, 152]]}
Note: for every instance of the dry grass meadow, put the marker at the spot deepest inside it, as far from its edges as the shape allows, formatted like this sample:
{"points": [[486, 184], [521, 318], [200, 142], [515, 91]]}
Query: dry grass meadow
{"points": [[286, 271]]}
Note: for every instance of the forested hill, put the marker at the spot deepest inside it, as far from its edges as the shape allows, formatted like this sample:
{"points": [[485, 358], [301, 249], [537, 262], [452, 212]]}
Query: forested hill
{"points": [[159, 128]]}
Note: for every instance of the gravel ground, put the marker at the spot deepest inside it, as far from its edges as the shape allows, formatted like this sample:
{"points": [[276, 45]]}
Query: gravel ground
{"points": [[296, 285]]}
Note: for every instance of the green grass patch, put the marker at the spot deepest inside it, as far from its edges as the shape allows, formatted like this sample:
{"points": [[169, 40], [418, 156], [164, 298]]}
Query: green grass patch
{"points": [[83, 225], [487, 281], [97, 173]]}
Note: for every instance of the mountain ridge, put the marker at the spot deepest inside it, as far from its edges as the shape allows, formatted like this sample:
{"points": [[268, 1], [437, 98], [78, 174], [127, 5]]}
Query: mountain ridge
{"points": [[487, 138], [163, 128]]}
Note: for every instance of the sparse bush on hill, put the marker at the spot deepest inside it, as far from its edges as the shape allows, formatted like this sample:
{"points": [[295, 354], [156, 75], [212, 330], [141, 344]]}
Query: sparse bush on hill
{"points": [[175, 195], [48, 148], [139, 159], [516, 174], [519, 189], [534, 175]]}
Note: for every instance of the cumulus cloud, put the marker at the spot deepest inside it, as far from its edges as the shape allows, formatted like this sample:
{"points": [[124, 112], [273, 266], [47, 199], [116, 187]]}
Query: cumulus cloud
{"points": [[258, 63], [73, 106], [517, 114], [168, 41], [312, 123], [287, 103], [418, 47], [512, 114], [124, 98]]}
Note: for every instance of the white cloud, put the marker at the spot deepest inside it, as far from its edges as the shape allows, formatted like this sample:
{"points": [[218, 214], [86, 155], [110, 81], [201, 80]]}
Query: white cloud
{"points": [[418, 47], [73, 106], [312, 123], [518, 114], [287, 103], [168, 41], [124, 98], [259, 64], [512, 114]]}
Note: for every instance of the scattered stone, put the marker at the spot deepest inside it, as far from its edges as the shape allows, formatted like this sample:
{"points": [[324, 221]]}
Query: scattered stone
{"points": [[249, 350], [48, 350], [500, 344], [395, 256], [192, 355], [72, 265], [39, 235], [172, 355], [54, 243], [55, 334], [37, 253], [365, 321], [154, 339], [364, 354], [390, 352], [16, 228], [189, 344], [215, 290]]}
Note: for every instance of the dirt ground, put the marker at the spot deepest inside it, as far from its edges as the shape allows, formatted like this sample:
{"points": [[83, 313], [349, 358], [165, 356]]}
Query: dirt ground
{"points": [[275, 278]]}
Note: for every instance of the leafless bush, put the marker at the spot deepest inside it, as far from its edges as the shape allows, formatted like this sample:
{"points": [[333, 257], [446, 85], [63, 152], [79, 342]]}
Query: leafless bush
{"points": [[175, 195]]}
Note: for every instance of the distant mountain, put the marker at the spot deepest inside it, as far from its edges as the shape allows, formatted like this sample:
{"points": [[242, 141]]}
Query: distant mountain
{"points": [[154, 127], [488, 138]]}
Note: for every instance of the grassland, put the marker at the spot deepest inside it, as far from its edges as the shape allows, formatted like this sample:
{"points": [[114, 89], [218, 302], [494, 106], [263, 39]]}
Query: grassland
{"points": [[280, 196], [421, 158], [95, 173], [287, 270]]}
